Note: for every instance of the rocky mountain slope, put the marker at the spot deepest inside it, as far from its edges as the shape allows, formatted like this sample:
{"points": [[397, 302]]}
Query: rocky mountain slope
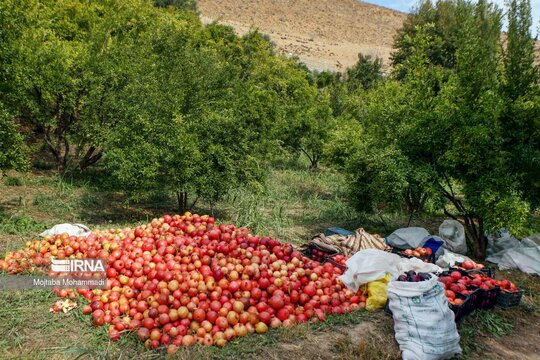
{"points": [[324, 34]]}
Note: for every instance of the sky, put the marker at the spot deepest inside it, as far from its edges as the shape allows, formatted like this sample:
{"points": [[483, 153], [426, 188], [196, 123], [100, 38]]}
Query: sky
{"points": [[406, 5]]}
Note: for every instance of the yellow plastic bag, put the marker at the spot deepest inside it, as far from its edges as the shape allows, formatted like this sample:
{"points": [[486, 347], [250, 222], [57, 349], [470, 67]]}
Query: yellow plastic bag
{"points": [[376, 293]]}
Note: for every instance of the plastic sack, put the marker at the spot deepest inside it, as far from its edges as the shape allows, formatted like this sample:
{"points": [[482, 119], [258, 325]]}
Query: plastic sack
{"points": [[453, 235], [423, 323], [526, 259], [369, 265], [416, 265], [376, 291], [408, 238], [70, 229], [448, 259], [510, 253], [500, 242], [532, 240]]}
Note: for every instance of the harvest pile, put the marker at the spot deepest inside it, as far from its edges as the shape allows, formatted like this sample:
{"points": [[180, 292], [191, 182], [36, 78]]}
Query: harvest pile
{"points": [[182, 280]]}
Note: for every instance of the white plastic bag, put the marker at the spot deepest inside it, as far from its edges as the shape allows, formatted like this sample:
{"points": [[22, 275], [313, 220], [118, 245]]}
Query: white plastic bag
{"points": [[448, 259], [510, 253], [416, 265], [70, 229], [408, 238], [526, 259], [423, 323], [369, 265], [501, 241], [453, 234], [532, 240]]}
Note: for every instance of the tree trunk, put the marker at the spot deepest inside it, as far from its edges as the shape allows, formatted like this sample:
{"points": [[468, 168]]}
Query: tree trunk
{"points": [[91, 156], [190, 207], [181, 197], [473, 224], [314, 160]]}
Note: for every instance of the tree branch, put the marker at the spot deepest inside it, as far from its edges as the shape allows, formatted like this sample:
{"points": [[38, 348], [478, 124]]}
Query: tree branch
{"points": [[305, 152]]}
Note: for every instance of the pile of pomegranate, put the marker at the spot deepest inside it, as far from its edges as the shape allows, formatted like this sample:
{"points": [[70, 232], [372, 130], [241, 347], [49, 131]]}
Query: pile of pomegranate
{"points": [[456, 283], [181, 280]]}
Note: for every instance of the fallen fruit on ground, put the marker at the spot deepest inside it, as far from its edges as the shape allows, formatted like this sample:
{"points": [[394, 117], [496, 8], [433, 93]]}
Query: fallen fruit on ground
{"points": [[182, 280]]}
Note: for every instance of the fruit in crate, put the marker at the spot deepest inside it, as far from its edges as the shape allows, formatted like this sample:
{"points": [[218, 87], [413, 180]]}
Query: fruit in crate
{"points": [[340, 259], [456, 283], [469, 265], [452, 299], [411, 276], [508, 286], [419, 252], [318, 255], [483, 282]]}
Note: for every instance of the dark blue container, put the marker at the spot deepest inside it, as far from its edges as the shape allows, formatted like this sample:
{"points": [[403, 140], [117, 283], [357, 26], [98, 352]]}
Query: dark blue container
{"points": [[337, 231], [434, 244]]}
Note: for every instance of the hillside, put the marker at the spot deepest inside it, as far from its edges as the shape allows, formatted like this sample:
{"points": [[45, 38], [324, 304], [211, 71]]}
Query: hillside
{"points": [[325, 34]]}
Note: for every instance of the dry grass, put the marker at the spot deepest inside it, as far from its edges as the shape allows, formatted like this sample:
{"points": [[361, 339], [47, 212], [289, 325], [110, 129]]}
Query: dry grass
{"points": [[325, 34]]}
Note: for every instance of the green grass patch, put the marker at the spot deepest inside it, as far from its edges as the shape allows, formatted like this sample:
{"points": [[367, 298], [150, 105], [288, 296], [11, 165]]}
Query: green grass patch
{"points": [[42, 165], [20, 224], [492, 323], [13, 181]]}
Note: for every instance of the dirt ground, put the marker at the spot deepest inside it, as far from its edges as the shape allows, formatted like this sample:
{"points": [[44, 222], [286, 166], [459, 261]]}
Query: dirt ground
{"points": [[324, 34]]}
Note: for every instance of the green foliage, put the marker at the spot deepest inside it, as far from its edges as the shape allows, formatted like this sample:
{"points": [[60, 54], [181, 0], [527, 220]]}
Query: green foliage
{"points": [[66, 64], [210, 107], [446, 17], [13, 149], [443, 131], [19, 224], [190, 5], [521, 114], [343, 142], [312, 132], [13, 181], [171, 105], [365, 73]]}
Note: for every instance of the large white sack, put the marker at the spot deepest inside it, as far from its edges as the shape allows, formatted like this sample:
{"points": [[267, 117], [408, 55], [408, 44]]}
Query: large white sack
{"points": [[423, 323], [369, 265], [70, 229], [510, 253], [408, 238], [526, 259], [503, 240], [453, 234]]}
